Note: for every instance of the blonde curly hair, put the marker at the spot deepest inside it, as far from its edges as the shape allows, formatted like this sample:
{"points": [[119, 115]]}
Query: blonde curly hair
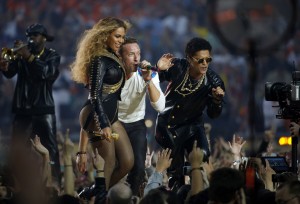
{"points": [[92, 43]]}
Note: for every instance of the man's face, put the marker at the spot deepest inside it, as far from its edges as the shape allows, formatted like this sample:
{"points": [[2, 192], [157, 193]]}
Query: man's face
{"points": [[37, 40], [200, 61], [131, 56]]}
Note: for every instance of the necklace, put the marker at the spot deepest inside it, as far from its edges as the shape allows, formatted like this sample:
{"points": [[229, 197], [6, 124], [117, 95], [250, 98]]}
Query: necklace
{"points": [[186, 86], [39, 55]]}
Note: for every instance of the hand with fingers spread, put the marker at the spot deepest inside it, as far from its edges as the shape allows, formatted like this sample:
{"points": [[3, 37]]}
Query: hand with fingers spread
{"points": [[163, 160], [236, 145], [165, 62]]}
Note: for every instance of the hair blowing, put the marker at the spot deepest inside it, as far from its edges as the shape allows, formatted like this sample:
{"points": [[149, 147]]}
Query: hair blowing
{"points": [[92, 43]]}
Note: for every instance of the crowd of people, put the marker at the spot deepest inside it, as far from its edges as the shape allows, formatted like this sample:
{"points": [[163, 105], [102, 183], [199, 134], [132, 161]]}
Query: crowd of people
{"points": [[113, 162]]}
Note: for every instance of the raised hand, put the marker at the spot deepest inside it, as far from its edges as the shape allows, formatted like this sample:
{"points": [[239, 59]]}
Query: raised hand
{"points": [[163, 160], [165, 62], [196, 156], [37, 145], [68, 144], [148, 161], [236, 145], [98, 161]]}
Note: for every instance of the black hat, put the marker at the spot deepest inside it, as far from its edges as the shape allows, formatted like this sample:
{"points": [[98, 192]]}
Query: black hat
{"points": [[38, 28]]}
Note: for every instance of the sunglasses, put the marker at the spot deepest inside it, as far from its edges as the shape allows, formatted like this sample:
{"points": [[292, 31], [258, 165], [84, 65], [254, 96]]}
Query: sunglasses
{"points": [[200, 61]]}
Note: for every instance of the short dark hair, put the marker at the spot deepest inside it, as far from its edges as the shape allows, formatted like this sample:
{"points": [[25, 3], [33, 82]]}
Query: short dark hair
{"points": [[224, 183], [128, 40], [196, 44]]}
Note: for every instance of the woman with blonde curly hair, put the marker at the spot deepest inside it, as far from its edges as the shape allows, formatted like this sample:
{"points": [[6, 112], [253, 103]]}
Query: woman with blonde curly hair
{"points": [[97, 66]]}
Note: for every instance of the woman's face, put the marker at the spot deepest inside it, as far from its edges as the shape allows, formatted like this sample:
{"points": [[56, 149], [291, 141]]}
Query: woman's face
{"points": [[116, 39]]}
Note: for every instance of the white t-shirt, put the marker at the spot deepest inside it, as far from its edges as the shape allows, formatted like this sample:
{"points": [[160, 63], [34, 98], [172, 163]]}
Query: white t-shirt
{"points": [[132, 106]]}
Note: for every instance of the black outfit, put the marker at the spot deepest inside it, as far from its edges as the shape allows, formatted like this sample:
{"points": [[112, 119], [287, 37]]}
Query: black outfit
{"points": [[33, 103], [181, 122], [105, 83]]}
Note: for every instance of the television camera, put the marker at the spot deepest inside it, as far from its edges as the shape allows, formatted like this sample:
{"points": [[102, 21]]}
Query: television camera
{"points": [[287, 96]]}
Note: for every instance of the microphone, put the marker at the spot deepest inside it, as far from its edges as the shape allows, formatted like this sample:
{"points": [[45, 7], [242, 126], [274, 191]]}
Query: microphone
{"points": [[149, 67]]}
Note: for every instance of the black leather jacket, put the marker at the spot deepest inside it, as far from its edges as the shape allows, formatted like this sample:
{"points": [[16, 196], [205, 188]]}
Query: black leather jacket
{"points": [[106, 80], [33, 91], [186, 109]]}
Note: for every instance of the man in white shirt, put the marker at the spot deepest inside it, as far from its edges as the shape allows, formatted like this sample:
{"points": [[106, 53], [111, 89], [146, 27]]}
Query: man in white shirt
{"points": [[132, 106]]}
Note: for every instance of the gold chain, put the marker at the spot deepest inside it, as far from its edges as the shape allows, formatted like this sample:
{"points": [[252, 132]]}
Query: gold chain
{"points": [[184, 88]]}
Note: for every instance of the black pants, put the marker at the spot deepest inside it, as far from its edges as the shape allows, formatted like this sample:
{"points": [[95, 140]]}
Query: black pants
{"points": [[27, 126], [181, 140], [137, 132]]}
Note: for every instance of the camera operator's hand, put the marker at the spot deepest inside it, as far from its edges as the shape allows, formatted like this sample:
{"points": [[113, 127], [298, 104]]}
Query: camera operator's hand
{"points": [[294, 129]]}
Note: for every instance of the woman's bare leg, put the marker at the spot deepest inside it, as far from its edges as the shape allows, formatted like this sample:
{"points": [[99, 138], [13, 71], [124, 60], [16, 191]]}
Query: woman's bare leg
{"points": [[107, 152], [124, 154]]}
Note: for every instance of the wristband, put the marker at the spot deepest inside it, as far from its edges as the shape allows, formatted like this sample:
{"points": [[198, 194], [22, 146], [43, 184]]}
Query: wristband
{"points": [[68, 165], [80, 152], [197, 168]]}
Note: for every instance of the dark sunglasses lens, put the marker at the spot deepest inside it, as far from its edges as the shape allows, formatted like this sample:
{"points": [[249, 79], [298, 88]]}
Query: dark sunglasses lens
{"points": [[207, 60]]}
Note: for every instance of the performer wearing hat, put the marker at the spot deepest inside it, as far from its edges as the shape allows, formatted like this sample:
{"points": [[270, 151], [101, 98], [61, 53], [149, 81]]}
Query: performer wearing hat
{"points": [[36, 68]]}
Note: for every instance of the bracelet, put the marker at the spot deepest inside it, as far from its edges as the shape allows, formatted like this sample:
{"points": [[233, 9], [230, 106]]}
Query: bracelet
{"points": [[99, 171], [66, 165], [236, 162], [51, 162], [161, 173], [197, 168], [148, 82], [80, 152]]}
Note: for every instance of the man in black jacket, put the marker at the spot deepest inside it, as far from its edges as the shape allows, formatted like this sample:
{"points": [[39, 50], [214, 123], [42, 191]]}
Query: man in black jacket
{"points": [[193, 87], [36, 68]]}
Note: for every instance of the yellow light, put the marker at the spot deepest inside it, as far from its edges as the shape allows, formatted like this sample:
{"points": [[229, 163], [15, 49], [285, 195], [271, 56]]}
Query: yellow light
{"points": [[289, 140], [285, 140]]}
